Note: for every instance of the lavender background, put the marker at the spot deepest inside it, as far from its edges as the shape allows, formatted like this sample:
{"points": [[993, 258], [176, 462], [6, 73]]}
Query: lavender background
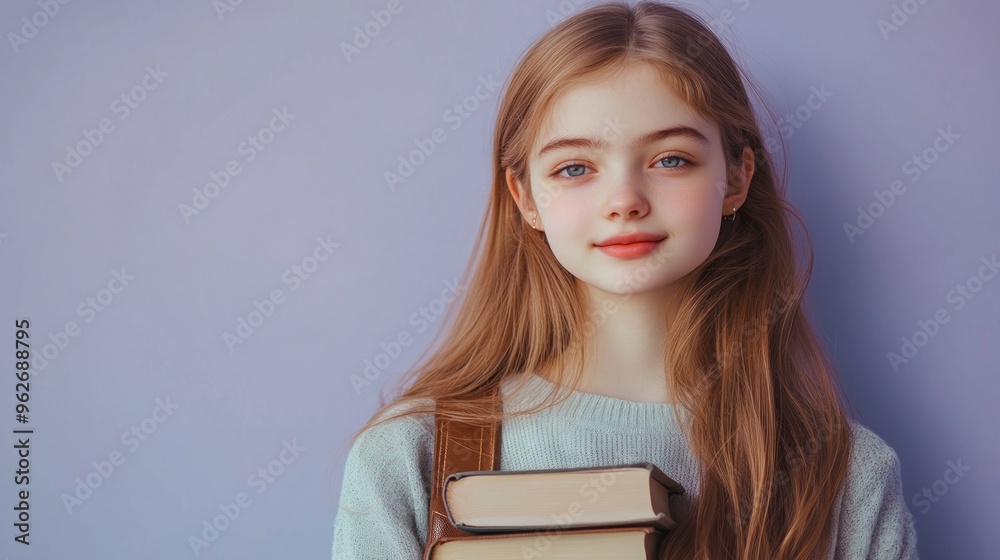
{"points": [[204, 76]]}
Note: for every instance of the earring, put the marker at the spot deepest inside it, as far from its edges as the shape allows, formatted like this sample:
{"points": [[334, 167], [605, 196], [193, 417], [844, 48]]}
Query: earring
{"points": [[533, 221], [732, 217]]}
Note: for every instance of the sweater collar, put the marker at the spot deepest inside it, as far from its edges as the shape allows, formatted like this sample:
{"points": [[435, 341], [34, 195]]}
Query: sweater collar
{"points": [[591, 409]]}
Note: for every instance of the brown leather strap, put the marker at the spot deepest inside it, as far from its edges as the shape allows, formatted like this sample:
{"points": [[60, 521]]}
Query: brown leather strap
{"points": [[459, 446]]}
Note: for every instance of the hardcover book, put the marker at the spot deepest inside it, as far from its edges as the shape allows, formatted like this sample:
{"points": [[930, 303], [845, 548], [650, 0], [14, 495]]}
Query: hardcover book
{"points": [[612, 543], [505, 501]]}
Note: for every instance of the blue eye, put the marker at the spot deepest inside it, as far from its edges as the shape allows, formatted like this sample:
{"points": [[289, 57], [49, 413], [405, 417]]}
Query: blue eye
{"points": [[577, 170], [577, 166], [676, 159]]}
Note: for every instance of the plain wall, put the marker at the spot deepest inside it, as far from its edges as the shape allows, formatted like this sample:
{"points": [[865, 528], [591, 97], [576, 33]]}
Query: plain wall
{"points": [[202, 81]]}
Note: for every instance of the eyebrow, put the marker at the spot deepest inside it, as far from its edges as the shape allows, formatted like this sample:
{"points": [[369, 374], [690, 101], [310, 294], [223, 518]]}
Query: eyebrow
{"points": [[601, 144]]}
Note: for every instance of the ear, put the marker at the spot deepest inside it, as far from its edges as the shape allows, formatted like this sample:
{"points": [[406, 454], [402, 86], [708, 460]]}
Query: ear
{"points": [[739, 186], [522, 200]]}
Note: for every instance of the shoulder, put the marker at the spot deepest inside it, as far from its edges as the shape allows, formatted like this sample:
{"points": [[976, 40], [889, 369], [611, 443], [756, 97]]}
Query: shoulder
{"points": [[870, 454], [405, 437], [391, 458], [386, 489], [873, 518], [420, 422], [872, 471]]}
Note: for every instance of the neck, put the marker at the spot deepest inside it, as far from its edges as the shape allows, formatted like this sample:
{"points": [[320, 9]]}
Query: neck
{"points": [[624, 346]]}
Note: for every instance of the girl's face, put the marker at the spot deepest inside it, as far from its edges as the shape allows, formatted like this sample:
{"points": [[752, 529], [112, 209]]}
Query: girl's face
{"points": [[627, 156]]}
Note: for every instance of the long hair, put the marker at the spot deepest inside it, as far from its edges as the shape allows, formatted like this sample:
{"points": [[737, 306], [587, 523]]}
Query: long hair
{"points": [[766, 419]]}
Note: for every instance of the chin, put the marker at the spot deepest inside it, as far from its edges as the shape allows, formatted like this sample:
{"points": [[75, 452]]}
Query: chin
{"points": [[626, 285]]}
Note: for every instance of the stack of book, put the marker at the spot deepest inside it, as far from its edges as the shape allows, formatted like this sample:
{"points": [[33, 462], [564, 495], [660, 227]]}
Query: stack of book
{"points": [[613, 512]]}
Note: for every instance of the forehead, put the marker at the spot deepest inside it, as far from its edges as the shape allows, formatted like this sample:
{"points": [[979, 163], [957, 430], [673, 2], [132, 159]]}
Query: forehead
{"points": [[629, 103]]}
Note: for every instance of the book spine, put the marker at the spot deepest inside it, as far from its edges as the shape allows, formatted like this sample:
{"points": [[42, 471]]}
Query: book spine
{"points": [[643, 528], [661, 522]]}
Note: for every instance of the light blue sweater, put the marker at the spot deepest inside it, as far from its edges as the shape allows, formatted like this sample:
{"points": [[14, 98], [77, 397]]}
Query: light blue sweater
{"points": [[385, 491]]}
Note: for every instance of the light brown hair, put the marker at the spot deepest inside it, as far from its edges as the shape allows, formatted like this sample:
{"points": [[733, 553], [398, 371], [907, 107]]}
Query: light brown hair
{"points": [[767, 422]]}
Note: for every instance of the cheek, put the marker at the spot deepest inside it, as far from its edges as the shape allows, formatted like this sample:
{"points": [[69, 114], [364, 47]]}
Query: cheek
{"points": [[693, 206], [566, 224], [565, 214]]}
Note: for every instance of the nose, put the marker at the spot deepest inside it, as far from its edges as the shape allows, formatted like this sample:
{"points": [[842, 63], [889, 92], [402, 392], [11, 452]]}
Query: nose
{"points": [[626, 200]]}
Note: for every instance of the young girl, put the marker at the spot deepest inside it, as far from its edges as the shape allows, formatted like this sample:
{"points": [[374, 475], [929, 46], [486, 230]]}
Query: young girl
{"points": [[637, 299]]}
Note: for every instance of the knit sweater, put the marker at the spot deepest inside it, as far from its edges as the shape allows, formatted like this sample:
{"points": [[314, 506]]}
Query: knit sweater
{"points": [[384, 496]]}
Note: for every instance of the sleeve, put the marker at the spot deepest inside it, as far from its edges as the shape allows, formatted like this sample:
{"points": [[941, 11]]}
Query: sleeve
{"points": [[384, 495], [874, 522]]}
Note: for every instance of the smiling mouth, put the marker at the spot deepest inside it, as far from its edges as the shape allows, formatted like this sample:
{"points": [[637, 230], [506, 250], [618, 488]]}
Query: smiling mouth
{"points": [[629, 250]]}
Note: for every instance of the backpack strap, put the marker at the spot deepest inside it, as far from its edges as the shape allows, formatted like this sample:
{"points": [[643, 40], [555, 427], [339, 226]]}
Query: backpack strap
{"points": [[458, 447]]}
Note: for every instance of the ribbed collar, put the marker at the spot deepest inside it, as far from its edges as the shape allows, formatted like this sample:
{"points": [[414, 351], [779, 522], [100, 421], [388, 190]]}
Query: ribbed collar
{"points": [[597, 411]]}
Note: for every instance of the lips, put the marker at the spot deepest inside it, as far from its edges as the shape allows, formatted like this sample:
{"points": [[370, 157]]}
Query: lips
{"points": [[629, 238], [630, 245]]}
